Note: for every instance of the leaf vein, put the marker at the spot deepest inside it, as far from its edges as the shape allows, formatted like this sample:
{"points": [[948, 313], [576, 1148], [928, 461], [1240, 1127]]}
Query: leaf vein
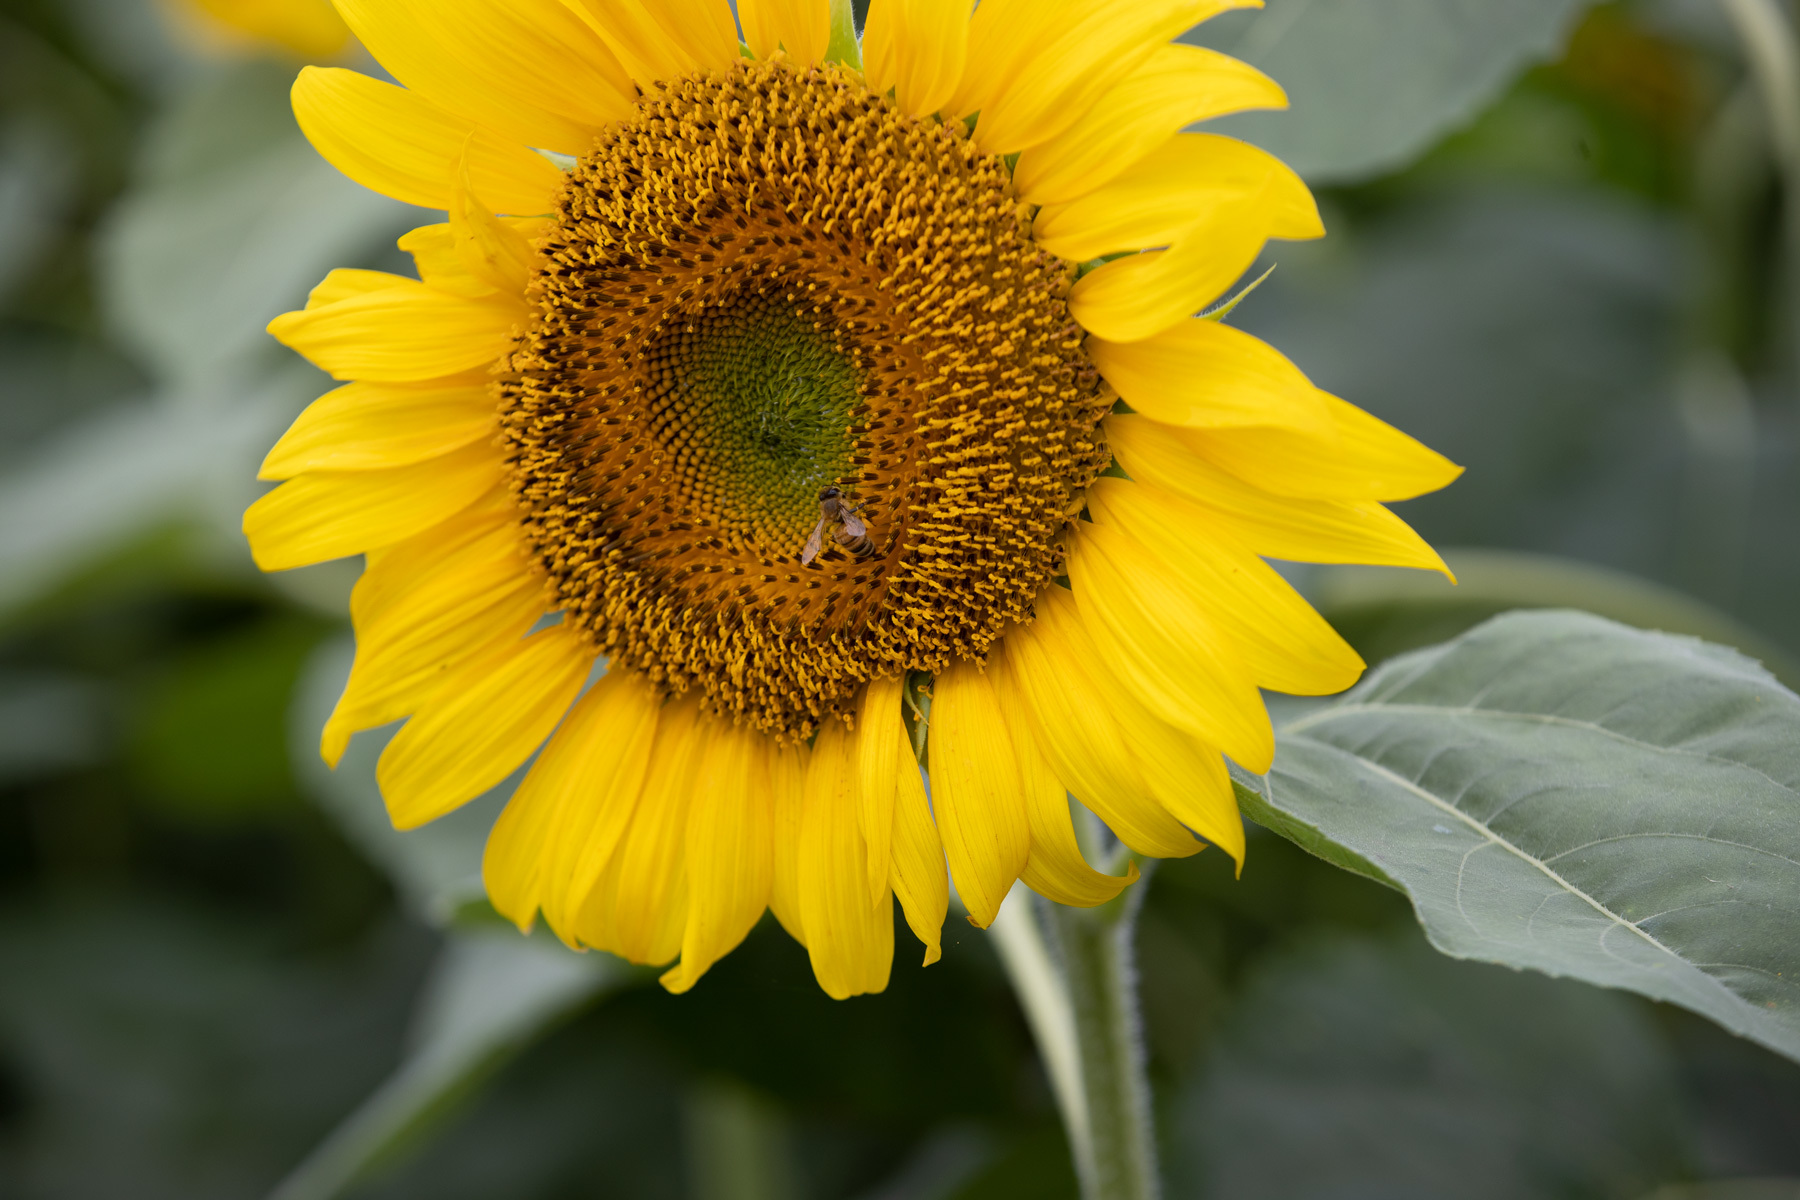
{"points": [[1316, 718], [1614, 918]]}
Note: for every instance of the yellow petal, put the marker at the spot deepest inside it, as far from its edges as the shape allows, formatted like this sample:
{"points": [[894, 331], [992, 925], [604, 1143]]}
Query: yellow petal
{"points": [[402, 145], [1054, 681], [1141, 295], [879, 735], [1182, 775], [1084, 56], [1057, 685], [448, 264], [663, 39], [423, 606], [323, 515], [492, 250], [492, 712], [1206, 374], [1055, 868], [399, 334], [638, 909], [1003, 36], [402, 677], [559, 830], [1176, 86], [528, 69], [1008, 38], [368, 426], [850, 940], [1286, 645], [706, 29], [600, 763], [486, 533], [344, 283], [1189, 779], [801, 27], [1299, 529], [976, 790], [917, 48], [1160, 637], [788, 767], [730, 849], [918, 858], [1359, 458], [1192, 180]]}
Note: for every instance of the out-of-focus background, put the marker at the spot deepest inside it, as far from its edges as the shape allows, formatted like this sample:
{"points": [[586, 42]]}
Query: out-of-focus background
{"points": [[1564, 250]]}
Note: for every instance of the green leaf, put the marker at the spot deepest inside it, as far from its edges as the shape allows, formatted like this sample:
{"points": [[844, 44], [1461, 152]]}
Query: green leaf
{"points": [[1253, 802], [1374, 83], [493, 993], [1362, 1066], [1558, 792]]}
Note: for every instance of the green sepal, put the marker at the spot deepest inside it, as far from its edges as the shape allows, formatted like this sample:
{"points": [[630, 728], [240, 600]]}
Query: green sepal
{"points": [[843, 47]]}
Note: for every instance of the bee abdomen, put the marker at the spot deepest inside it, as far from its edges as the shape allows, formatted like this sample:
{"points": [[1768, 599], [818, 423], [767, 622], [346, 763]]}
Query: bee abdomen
{"points": [[860, 547]]}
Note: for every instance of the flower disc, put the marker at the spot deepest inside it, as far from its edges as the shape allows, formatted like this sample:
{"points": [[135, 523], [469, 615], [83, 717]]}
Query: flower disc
{"points": [[767, 282]]}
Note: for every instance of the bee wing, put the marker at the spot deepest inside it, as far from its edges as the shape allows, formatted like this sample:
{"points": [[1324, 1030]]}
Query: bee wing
{"points": [[853, 526], [814, 544]]}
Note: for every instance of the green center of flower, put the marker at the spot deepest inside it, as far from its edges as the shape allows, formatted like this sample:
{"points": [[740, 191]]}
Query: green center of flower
{"points": [[754, 403]]}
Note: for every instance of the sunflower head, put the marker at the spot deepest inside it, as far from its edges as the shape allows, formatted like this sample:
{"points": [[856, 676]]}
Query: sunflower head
{"points": [[769, 280], [809, 394]]}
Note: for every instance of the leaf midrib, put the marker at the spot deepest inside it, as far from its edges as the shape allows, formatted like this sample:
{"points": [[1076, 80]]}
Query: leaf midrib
{"points": [[1543, 867]]}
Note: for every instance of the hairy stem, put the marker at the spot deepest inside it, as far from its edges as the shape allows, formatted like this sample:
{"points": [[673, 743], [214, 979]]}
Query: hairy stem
{"points": [[844, 47], [1075, 975]]}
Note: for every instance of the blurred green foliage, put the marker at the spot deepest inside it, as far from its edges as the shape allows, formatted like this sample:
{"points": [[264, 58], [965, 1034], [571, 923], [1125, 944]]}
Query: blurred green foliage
{"points": [[212, 952]]}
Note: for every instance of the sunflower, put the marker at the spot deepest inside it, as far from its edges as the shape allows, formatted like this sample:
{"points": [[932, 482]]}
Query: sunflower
{"points": [[848, 403]]}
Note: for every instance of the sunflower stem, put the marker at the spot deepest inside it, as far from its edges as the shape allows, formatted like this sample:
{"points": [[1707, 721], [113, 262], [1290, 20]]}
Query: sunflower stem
{"points": [[844, 47], [1076, 976]]}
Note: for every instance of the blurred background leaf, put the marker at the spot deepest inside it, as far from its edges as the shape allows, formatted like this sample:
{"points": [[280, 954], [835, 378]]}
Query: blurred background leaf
{"points": [[1362, 1066], [490, 994], [232, 219], [1373, 83]]}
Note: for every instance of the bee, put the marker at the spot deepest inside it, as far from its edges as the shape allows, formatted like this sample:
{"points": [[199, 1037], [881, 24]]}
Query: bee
{"points": [[849, 531]]}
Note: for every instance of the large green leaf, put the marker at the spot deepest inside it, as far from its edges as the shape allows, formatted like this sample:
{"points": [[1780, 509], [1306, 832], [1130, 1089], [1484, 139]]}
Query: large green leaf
{"points": [[1558, 792], [1373, 83]]}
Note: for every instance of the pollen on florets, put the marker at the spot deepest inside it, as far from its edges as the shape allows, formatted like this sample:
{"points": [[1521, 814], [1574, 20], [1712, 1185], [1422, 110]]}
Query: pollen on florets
{"points": [[769, 281]]}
